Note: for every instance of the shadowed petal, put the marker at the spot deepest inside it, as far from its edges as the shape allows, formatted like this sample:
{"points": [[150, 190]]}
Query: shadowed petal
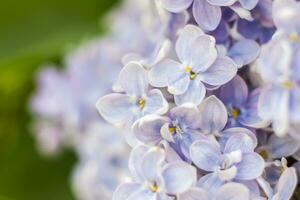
{"points": [[244, 52], [206, 15]]}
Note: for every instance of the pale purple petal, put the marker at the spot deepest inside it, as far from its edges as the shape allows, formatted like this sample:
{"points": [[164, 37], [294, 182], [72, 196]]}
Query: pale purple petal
{"points": [[234, 92], [244, 52], [135, 160], [283, 147], [133, 79], [251, 166], [222, 2], [206, 155], [242, 142], [221, 72], [295, 105], [152, 163], [155, 103], [161, 72], [286, 184], [124, 190], [187, 115], [248, 4], [193, 95], [213, 115], [233, 191], [185, 41], [178, 177], [179, 84], [194, 194], [148, 128], [143, 194], [203, 53], [206, 15], [176, 5], [210, 182], [116, 108]]}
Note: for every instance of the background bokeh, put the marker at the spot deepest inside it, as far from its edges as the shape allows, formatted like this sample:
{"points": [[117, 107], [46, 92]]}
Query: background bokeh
{"points": [[33, 33]]}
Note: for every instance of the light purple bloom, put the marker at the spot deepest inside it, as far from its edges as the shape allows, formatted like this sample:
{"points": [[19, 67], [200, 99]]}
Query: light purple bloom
{"points": [[180, 129], [241, 106], [138, 101], [199, 64], [279, 68], [207, 13], [235, 161], [154, 178], [284, 188]]}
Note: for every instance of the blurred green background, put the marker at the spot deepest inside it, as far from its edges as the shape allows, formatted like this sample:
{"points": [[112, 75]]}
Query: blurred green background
{"points": [[34, 32]]}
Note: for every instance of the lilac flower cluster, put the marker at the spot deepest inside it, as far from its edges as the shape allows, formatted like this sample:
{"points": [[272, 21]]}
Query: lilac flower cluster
{"points": [[206, 92], [214, 106]]}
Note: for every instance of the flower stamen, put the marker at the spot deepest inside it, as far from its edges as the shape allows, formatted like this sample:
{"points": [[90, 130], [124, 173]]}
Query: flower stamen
{"points": [[235, 112], [288, 85], [154, 188], [189, 70], [141, 103]]}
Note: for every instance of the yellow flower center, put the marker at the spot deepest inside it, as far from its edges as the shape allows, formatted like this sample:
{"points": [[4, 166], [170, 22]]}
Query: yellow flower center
{"points": [[154, 188], [294, 37], [141, 103], [189, 70], [235, 112], [264, 153], [288, 85], [172, 129]]}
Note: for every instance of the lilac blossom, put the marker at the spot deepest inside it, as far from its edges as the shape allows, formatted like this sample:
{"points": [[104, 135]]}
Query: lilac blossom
{"points": [[285, 186], [185, 79], [180, 129], [237, 160], [241, 106], [138, 101], [207, 13], [154, 178]]}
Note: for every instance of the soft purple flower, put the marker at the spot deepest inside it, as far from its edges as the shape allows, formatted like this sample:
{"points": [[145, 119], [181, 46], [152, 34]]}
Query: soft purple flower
{"points": [[154, 178], [261, 28], [235, 161], [207, 13], [199, 64], [279, 68], [136, 102], [285, 187], [272, 147], [180, 129], [241, 106]]}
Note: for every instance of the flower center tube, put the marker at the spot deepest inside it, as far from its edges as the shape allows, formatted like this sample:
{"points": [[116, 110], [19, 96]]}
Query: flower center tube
{"points": [[154, 188], [235, 112], [193, 74], [141, 103]]}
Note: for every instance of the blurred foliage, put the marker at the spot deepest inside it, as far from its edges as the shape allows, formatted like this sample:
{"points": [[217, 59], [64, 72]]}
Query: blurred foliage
{"points": [[33, 32]]}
